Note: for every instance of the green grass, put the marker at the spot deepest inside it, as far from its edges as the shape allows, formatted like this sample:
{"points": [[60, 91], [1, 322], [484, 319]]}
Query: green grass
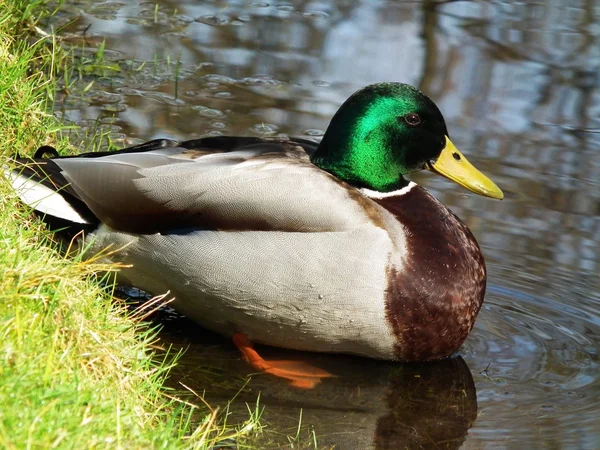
{"points": [[76, 370]]}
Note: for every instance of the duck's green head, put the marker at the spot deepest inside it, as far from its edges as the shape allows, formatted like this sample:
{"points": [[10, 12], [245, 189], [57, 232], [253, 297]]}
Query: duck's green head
{"points": [[387, 130]]}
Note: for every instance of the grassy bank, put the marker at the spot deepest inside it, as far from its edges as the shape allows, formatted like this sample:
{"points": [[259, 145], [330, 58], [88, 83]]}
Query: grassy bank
{"points": [[75, 370]]}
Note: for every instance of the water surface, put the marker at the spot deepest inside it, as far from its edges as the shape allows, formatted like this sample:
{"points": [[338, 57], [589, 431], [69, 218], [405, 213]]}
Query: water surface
{"points": [[519, 86]]}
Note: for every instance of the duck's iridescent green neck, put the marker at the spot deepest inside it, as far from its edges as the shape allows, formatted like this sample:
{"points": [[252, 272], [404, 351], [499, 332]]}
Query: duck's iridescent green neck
{"points": [[358, 151], [369, 143]]}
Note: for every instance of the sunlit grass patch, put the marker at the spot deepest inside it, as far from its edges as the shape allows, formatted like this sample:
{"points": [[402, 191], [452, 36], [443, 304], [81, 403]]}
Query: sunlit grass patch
{"points": [[73, 366]]}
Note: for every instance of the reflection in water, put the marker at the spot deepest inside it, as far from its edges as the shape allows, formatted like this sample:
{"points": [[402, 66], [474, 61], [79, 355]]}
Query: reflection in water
{"points": [[431, 406], [370, 404], [518, 84]]}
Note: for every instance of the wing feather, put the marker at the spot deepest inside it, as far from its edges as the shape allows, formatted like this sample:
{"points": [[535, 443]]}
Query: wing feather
{"points": [[251, 188]]}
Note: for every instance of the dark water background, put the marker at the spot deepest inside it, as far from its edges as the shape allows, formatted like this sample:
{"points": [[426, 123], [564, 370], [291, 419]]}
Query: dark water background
{"points": [[519, 85]]}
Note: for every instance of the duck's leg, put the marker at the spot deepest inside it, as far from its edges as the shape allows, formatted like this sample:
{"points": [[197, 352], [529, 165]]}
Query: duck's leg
{"points": [[300, 374]]}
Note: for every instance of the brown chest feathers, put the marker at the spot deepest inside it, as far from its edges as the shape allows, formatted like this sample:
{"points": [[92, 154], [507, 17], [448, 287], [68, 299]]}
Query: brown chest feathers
{"points": [[432, 302]]}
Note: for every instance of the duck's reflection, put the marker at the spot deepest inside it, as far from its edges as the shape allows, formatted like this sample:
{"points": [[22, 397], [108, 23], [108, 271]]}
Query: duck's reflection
{"points": [[429, 406], [369, 405]]}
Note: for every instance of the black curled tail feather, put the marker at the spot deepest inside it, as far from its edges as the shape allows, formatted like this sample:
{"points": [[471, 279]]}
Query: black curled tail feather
{"points": [[45, 150]]}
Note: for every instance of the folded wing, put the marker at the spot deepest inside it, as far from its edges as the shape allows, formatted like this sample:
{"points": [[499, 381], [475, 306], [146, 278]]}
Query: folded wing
{"points": [[267, 185]]}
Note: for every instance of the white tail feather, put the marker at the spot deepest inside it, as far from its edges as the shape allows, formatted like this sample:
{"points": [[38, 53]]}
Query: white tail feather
{"points": [[42, 198]]}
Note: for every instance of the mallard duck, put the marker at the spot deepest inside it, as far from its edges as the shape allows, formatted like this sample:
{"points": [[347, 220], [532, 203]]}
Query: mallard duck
{"points": [[320, 247]]}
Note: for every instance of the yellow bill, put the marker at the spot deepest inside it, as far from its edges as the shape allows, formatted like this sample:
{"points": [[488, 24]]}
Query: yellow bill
{"points": [[454, 166]]}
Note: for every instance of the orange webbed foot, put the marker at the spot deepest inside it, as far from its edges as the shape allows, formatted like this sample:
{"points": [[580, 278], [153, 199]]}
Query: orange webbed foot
{"points": [[299, 373]]}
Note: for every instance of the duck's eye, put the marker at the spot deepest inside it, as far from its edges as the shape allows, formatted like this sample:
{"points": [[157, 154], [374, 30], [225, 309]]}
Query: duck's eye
{"points": [[413, 119]]}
